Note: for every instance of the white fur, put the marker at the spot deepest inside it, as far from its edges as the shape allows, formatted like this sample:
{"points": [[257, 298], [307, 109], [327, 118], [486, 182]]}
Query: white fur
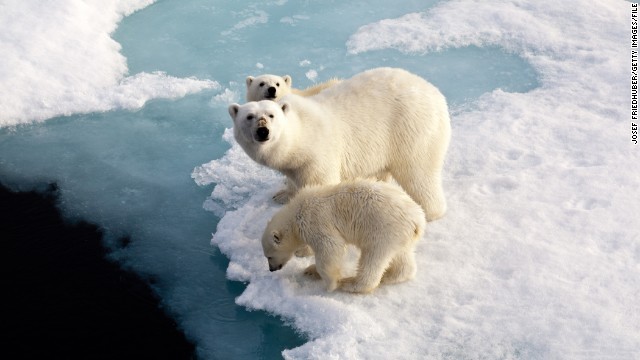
{"points": [[258, 88], [377, 217], [380, 122]]}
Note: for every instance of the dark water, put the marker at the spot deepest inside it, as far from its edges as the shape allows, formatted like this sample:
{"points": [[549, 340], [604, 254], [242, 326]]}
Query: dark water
{"points": [[63, 300]]}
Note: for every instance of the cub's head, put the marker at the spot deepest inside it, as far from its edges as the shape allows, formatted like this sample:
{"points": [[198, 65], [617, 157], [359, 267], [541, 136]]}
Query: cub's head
{"points": [[257, 123], [278, 242], [268, 87]]}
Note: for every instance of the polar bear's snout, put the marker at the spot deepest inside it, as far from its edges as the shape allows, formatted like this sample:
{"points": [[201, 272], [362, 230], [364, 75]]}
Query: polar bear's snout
{"points": [[273, 268], [271, 92], [262, 134]]}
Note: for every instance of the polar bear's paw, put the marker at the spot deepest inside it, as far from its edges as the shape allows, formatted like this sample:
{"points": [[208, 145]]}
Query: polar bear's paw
{"points": [[311, 272], [282, 196], [352, 285]]}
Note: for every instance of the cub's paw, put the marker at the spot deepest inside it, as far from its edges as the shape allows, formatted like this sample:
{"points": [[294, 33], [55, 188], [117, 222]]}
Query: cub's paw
{"points": [[311, 272], [351, 285]]}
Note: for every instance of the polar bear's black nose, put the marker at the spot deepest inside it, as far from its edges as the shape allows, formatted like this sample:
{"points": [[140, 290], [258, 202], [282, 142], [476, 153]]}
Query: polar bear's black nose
{"points": [[271, 91], [262, 134], [275, 268]]}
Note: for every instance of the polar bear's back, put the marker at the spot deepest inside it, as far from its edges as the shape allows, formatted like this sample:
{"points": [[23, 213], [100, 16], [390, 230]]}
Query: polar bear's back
{"points": [[362, 209], [383, 89], [386, 110]]}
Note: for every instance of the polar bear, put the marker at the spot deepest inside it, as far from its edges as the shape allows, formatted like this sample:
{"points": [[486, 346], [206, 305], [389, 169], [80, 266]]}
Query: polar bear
{"points": [[382, 121], [274, 87], [377, 217]]}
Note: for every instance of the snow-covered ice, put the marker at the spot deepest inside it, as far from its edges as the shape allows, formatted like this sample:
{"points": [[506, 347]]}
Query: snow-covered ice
{"points": [[72, 65], [538, 256]]}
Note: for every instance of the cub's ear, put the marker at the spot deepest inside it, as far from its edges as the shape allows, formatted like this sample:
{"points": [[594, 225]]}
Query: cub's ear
{"points": [[285, 107], [287, 79], [249, 80], [277, 237], [233, 110]]}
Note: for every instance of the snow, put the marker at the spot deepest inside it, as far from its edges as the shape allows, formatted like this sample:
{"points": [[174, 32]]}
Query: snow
{"points": [[72, 65], [538, 256]]}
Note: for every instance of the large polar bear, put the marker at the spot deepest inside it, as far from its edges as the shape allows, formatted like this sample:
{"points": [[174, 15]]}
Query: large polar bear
{"points": [[382, 121], [377, 217], [274, 87]]}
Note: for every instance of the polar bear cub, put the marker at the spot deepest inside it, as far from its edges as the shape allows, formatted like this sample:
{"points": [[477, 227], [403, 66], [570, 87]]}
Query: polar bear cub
{"points": [[380, 122], [377, 217], [274, 87]]}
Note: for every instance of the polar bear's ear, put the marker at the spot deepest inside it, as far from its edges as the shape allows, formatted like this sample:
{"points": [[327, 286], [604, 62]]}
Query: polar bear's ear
{"points": [[277, 238], [287, 80], [233, 110], [249, 80], [285, 107]]}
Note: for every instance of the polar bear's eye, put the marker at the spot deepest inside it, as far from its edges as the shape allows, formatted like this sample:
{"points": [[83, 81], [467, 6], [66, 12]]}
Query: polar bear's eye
{"points": [[278, 84], [261, 84], [271, 116], [250, 117]]}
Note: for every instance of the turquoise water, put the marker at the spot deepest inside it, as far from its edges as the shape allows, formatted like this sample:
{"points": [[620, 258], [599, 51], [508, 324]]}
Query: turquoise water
{"points": [[129, 171], [196, 38]]}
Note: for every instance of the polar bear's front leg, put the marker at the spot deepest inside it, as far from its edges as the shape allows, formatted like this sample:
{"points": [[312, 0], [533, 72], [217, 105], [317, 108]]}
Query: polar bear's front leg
{"points": [[329, 271], [330, 278], [329, 255]]}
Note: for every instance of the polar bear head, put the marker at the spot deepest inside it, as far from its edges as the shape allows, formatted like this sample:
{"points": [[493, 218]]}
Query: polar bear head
{"points": [[279, 241], [257, 124], [268, 87], [277, 245]]}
